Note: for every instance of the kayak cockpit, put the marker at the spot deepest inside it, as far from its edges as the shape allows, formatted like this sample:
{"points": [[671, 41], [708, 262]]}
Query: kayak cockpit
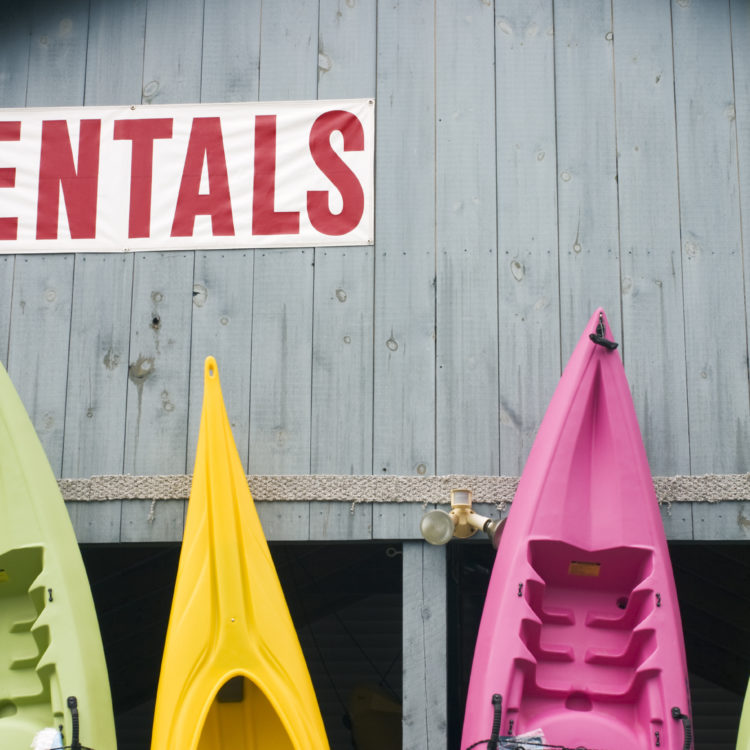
{"points": [[242, 717]]}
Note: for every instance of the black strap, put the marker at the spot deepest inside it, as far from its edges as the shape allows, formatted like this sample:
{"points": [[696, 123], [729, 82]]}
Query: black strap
{"points": [[688, 727], [599, 337], [497, 704], [73, 706]]}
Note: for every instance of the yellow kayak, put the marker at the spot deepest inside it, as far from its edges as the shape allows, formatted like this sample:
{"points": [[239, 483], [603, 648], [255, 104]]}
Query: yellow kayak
{"points": [[233, 674]]}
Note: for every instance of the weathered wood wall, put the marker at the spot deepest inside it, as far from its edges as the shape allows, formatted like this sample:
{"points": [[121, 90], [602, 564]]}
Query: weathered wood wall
{"points": [[533, 161]]}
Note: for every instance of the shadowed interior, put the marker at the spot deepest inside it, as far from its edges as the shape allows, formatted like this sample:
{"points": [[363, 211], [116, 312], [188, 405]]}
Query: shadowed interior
{"points": [[242, 717]]}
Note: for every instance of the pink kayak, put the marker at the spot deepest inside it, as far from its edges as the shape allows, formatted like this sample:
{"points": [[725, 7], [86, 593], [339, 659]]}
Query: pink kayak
{"points": [[580, 643]]}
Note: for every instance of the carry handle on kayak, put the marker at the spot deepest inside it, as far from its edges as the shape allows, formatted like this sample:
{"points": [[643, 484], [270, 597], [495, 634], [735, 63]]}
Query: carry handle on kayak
{"points": [[497, 705], [677, 714], [599, 337], [75, 743]]}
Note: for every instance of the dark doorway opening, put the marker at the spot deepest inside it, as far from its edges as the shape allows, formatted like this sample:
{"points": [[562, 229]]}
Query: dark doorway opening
{"points": [[345, 601]]}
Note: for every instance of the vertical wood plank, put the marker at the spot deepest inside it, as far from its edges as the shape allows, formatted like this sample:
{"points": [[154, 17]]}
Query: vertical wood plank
{"points": [[57, 60], [158, 396], [157, 412], [43, 285], [341, 420], [172, 52], [653, 337], [528, 293], [231, 51], [587, 169], [719, 411], [289, 50], [15, 37], [424, 638], [7, 267], [342, 374], [466, 378], [347, 49], [98, 365], [222, 327], [740, 19], [281, 374], [114, 59], [95, 421], [38, 346], [404, 406], [280, 398]]}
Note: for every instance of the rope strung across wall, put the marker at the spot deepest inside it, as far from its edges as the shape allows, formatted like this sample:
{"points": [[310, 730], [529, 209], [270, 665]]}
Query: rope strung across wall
{"points": [[707, 488]]}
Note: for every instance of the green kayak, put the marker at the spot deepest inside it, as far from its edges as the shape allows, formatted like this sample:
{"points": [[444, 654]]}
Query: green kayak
{"points": [[52, 670], [743, 737]]}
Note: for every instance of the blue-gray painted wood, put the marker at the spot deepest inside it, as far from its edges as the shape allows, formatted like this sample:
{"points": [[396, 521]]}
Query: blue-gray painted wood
{"points": [[425, 700], [342, 366], [43, 285], [740, 19], [136, 521], [380, 383], [57, 57], [114, 59], [158, 367], [222, 328], [289, 44], [342, 361], [528, 285], [281, 369], [466, 373], [716, 364], [15, 37], [172, 52], [653, 344], [7, 267], [587, 167], [281, 362], [726, 521], [38, 345], [404, 388], [98, 364], [347, 49], [231, 51]]}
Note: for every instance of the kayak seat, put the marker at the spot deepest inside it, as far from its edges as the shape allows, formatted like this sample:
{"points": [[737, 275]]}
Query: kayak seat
{"points": [[640, 646], [21, 644], [531, 631], [588, 604], [632, 610]]}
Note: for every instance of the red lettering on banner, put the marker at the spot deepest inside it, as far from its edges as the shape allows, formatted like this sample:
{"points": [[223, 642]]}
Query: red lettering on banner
{"points": [[9, 131], [206, 144], [335, 169], [266, 220], [142, 133], [79, 186]]}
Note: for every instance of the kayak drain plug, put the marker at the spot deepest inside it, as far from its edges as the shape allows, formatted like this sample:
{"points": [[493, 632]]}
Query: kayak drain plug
{"points": [[439, 527]]}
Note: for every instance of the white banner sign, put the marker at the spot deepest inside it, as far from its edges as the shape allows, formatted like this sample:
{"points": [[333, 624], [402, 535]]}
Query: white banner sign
{"points": [[264, 174]]}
